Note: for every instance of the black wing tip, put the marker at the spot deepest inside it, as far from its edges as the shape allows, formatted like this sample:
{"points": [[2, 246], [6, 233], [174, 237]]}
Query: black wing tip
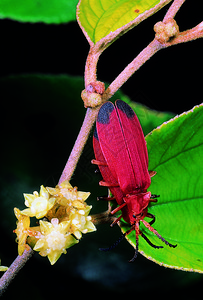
{"points": [[105, 112], [95, 134], [107, 108], [124, 107]]}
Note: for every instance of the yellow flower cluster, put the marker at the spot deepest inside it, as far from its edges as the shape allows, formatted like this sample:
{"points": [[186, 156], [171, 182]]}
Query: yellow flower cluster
{"points": [[65, 218]]}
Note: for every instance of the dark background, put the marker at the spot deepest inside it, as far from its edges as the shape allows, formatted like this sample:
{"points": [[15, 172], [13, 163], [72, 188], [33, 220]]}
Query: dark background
{"points": [[170, 81], [56, 49]]}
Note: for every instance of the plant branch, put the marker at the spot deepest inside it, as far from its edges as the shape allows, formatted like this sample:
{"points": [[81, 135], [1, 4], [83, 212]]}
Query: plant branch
{"points": [[91, 113], [187, 36], [97, 48], [13, 270], [103, 218], [91, 74], [91, 65], [76, 152], [173, 9], [144, 55]]}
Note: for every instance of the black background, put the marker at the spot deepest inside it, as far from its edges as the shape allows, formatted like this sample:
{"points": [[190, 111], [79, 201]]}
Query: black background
{"points": [[170, 81], [56, 49]]}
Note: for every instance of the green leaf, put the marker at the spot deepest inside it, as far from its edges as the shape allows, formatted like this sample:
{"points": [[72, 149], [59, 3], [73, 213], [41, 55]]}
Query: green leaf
{"points": [[176, 154], [47, 11], [98, 18]]}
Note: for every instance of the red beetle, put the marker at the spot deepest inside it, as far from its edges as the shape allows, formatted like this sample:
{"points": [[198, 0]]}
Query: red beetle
{"points": [[121, 155]]}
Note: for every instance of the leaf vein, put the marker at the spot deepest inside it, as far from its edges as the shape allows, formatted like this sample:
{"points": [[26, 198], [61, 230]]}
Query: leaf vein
{"points": [[177, 154], [179, 200]]}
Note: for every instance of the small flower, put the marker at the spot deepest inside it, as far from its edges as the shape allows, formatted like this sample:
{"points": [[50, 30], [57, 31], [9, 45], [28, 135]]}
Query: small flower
{"points": [[22, 230], [67, 198], [166, 30], [39, 204], [55, 239], [80, 221], [66, 212], [66, 194], [3, 268]]}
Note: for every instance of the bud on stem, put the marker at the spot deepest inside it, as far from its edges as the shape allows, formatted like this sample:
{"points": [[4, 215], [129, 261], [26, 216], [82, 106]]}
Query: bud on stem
{"points": [[92, 95]]}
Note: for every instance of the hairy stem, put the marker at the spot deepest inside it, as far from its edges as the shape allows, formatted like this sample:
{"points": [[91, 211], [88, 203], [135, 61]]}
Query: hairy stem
{"points": [[144, 55], [91, 66], [188, 35], [79, 144], [13, 270], [173, 9], [91, 113], [103, 218]]}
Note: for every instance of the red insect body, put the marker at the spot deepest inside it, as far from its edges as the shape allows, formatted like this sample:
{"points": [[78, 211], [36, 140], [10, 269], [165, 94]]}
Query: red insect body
{"points": [[121, 155]]}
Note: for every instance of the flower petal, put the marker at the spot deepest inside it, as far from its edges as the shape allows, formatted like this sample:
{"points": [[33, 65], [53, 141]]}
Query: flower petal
{"points": [[39, 245], [29, 198], [43, 192], [21, 231], [64, 226], [77, 234], [46, 227], [83, 195], [90, 226]]}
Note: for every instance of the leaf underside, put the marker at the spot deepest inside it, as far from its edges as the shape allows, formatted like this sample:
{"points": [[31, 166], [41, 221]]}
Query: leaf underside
{"points": [[176, 154]]}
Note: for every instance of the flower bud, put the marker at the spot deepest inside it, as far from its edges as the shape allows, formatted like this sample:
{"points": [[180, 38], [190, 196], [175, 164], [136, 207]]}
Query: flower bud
{"points": [[166, 30], [96, 87], [91, 99]]}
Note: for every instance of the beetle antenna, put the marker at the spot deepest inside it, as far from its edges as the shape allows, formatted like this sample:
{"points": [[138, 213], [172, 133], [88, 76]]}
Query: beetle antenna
{"points": [[153, 196], [115, 244], [118, 241], [136, 251]]}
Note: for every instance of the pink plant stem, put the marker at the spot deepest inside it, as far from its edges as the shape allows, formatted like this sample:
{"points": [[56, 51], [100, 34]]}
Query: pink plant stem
{"points": [[13, 270], [188, 35], [173, 9], [91, 66], [79, 144], [90, 76], [144, 55], [91, 113]]}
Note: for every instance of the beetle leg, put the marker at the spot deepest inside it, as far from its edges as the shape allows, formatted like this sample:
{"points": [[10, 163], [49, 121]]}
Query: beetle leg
{"points": [[118, 208], [147, 225], [152, 173], [98, 162], [152, 217], [152, 200], [116, 221], [107, 184], [137, 232], [105, 198], [148, 241], [153, 196]]}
